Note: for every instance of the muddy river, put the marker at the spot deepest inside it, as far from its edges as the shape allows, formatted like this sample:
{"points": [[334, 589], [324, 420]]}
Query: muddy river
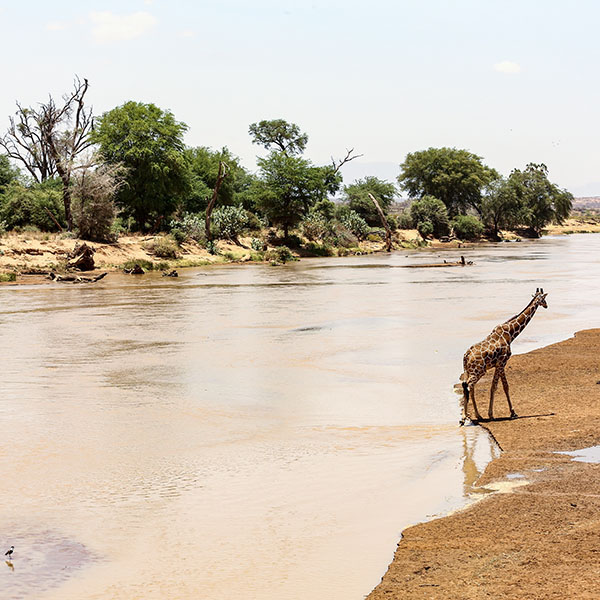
{"points": [[251, 431]]}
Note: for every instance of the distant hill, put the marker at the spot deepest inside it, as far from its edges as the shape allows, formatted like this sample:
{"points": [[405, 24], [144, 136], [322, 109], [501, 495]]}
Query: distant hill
{"points": [[586, 203]]}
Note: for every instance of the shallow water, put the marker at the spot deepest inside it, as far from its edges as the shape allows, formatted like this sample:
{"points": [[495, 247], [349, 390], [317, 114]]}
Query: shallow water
{"points": [[588, 455], [250, 431]]}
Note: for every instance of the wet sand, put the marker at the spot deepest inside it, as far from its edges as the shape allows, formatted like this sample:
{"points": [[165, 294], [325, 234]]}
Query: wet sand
{"points": [[542, 538]]}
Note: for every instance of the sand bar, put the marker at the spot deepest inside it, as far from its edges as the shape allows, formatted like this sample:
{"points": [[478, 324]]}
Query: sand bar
{"points": [[540, 540]]}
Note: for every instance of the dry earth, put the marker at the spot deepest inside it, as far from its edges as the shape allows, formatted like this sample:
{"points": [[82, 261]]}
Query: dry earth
{"points": [[540, 540]]}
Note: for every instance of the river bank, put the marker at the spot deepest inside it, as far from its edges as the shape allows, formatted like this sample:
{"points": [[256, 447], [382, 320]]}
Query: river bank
{"points": [[26, 255], [540, 539]]}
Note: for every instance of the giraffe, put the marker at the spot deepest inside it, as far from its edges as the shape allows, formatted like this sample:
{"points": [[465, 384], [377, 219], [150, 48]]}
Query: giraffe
{"points": [[494, 351]]}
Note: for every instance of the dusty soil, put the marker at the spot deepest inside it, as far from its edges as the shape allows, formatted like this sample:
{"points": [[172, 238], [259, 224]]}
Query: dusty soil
{"points": [[31, 252], [540, 540]]}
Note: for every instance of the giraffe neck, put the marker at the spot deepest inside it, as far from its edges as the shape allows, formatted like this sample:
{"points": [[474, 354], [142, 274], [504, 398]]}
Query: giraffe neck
{"points": [[519, 322]]}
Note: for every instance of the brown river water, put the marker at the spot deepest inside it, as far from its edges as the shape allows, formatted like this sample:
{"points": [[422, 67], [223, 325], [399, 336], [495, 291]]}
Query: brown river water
{"points": [[250, 431]]}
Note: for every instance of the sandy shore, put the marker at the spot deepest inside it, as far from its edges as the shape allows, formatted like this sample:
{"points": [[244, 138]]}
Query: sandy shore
{"points": [[542, 538]]}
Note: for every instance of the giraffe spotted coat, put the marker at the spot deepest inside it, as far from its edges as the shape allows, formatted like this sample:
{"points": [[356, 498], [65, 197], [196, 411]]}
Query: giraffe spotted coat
{"points": [[494, 352]]}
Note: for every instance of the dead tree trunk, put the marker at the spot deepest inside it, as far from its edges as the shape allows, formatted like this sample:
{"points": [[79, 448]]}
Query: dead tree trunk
{"points": [[223, 170], [388, 231]]}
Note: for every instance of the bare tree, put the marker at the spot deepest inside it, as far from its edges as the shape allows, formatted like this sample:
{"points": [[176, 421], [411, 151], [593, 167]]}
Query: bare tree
{"points": [[386, 226], [94, 189], [338, 164], [49, 139]]}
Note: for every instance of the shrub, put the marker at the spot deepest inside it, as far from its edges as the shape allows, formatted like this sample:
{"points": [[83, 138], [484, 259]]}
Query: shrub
{"points": [[314, 226], [425, 228], [467, 227], [94, 210], [405, 220], [392, 222], [253, 223], [432, 210], [229, 222], [281, 254], [257, 244], [163, 247], [190, 226], [319, 249], [6, 277], [38, 205], [355, 223]]}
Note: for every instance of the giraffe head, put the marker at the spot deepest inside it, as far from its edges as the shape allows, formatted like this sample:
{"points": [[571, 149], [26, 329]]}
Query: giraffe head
{"points": [[540, 297]]}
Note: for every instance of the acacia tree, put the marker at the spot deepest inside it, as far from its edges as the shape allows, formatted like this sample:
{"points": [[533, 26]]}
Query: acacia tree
{"points": [[289, 185], [148, 142], [358, 199], [540, 201], [280, 135], [456, 177], [50, 139]]}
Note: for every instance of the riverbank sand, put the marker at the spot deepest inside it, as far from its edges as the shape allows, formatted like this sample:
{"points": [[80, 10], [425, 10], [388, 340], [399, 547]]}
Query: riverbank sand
{"points": [[541, 540]]}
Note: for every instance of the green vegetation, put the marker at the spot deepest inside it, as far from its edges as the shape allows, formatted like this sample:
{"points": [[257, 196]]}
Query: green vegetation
{"points": [[138, 175]]}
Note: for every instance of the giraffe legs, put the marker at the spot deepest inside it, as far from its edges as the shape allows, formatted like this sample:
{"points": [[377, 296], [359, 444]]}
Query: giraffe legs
{"points": [[469, 392], [492, 392], [513, 414]]}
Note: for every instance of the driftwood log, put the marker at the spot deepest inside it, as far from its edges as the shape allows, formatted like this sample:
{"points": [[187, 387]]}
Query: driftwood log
{"points": [[82, 258], [386, 226], [75, 278], [172, 273]]}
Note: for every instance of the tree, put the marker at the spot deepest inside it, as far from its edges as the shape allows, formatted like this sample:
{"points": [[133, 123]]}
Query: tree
{"points": [[94, 209], [204, 170], [280, 135], [289, 186], [541, 201], [50, 139], [8, 173], [148, 142], [456, 177], [430, 216], [357, 197], [500, 207]]}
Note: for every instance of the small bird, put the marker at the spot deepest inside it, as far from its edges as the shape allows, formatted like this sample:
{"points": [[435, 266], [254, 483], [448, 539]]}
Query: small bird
{"points": [[9, 552]]}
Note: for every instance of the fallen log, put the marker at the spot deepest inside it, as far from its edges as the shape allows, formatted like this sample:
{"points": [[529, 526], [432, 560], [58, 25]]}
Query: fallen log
{"points": [[75, 278], [82, 258]]}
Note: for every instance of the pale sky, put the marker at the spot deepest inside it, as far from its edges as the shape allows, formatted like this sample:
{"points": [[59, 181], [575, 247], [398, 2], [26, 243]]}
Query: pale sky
{"points": [[512, 81]]}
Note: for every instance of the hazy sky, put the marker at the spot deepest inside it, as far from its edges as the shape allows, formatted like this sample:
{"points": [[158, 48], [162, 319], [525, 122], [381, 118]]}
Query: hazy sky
{"points": [[512, 81]]}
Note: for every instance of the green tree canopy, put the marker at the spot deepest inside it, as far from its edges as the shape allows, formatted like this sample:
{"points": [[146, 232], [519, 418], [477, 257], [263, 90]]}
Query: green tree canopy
{"points": [[357, 197], [541, 201], [500, 207], [289, 186], [8, 173], [204, 168], [430, 216], [148, 142], [456, 177], [278, 134]]}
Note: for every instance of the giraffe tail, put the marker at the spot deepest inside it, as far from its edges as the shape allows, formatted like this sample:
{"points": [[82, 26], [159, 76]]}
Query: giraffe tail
{"points": [[465, 387]]}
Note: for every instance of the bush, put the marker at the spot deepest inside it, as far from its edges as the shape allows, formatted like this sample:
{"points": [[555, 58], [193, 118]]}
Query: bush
{"points": [[425, 228], [355, 223], [253, 223], [432, 210], [392, 222], [257, 244], [405, 220], [319, 249], [21, 206], [314, 226], [467, 227], [94, 218], [163, 247], [6, 277], [190, 226], [281, 254], [228, 222]]}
